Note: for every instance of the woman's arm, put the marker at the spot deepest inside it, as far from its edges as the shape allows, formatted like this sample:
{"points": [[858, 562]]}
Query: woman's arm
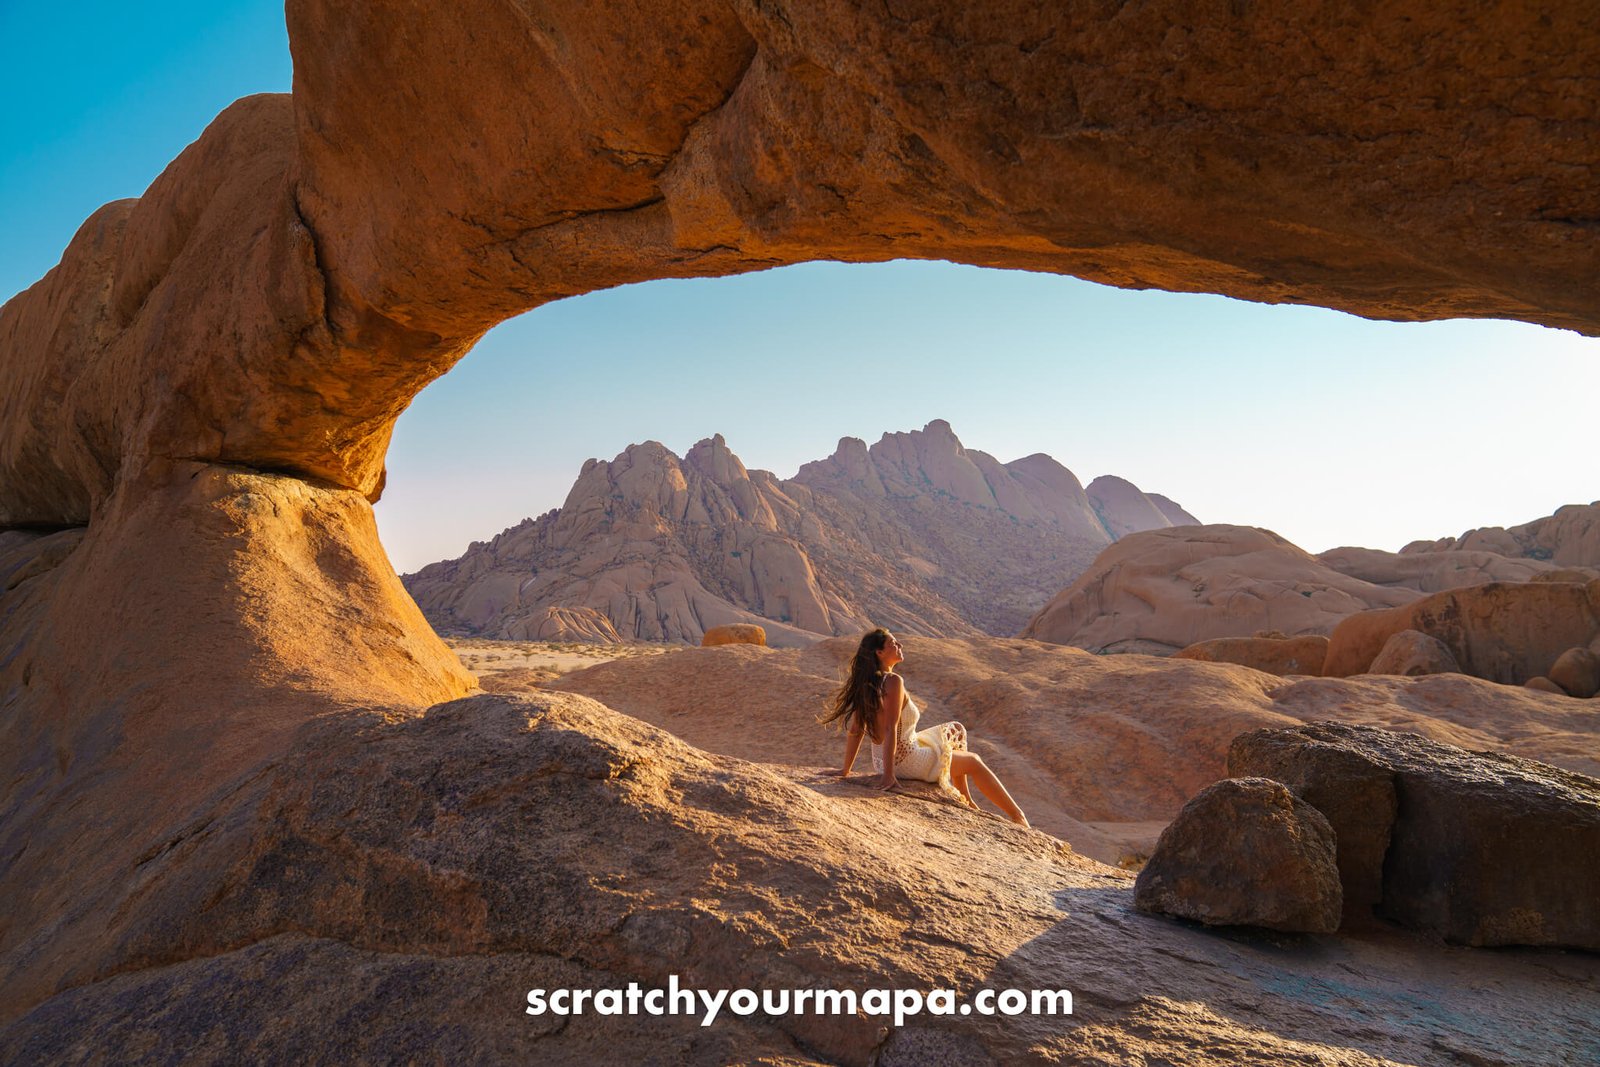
{"points": [[889, 726], [852, 745]]}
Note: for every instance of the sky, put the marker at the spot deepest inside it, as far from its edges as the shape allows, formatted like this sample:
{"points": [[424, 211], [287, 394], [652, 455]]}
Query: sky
{"points": [[1326, 428]]}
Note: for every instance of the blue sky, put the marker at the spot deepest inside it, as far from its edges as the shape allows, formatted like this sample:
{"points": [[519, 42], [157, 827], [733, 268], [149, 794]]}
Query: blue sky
{"points": [[1324, 427]]}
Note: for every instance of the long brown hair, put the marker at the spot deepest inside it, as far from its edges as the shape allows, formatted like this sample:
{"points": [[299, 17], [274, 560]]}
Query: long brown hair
{"points": [[858, 698]]}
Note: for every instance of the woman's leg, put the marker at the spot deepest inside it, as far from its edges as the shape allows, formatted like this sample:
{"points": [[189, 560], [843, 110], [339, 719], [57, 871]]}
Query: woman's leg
{"points": [[969, 765]]}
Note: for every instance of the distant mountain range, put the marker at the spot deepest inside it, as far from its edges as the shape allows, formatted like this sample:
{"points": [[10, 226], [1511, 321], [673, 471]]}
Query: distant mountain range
{"points": [[916, 533]]}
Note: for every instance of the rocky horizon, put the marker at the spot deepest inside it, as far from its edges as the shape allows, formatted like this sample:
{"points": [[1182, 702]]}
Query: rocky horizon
{"points": [[916, 532]]}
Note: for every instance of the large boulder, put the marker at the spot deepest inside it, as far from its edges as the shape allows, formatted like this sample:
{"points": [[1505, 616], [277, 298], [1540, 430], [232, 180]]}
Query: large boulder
{"points": [[1503, 631], [1163, 590], [1274, 655], [734, 634], [1245, 852], [1412, 653], [1483, 849], [1577, 670]]}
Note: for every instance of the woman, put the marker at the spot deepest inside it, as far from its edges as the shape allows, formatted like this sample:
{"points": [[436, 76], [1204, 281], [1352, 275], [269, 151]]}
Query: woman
{"points": [[873, 701]]}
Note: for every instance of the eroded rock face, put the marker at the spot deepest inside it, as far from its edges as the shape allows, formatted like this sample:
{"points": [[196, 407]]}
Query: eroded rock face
{"points": [[1245, 852], [916, 533], [1483, 848], [1167, 589], [1505, 632]]}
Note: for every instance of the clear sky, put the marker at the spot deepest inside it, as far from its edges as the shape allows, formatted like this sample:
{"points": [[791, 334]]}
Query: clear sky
{"points": [[1326, 428]]}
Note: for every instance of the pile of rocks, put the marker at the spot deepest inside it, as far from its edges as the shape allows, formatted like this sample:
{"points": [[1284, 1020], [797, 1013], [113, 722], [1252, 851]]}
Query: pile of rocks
{"points": [[1329, 824]]}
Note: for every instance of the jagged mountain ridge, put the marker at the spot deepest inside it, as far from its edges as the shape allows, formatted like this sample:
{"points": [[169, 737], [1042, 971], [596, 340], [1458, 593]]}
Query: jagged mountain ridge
{"points": [[915, 532]]}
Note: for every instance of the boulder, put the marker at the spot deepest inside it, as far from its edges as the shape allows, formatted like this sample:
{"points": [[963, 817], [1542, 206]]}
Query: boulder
{"points": [[1483, 848], [1355, 795], [1163, 590], [1275, 655], [1412, 653], [1577, 670], [1245, 852], [1539, 683], [737, 633], [1502, 631]]}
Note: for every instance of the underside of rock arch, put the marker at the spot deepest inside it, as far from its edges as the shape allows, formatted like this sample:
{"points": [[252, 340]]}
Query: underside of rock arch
{"points": [[198, 399]]}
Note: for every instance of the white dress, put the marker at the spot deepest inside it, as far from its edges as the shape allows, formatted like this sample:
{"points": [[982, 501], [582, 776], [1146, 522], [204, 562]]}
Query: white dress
{"points": [[925, 755]]}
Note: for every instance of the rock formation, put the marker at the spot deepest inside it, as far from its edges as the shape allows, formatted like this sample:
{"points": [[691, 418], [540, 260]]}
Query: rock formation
{"points": [[1434, 572], [1160, 591], [1163, 590], [1275, 655], [1412, 652], [1482, 848], [207, 383], [1101, 751], [1124, 509], [1245, 852], [734, 634], [1569, 538], [1577, 671], [917, 533], [1506, 632]]}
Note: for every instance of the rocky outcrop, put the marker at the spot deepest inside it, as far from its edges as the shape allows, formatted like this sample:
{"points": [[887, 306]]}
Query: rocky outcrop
{"points": [[1502, 631], [1434, 572], [1101, 751], [735, 634], [1412, 653], [380, 857], [209, 379], [1274, 655], [1245, 852], [1569, 538], [916, 533], [1482, 848], [1163, 590]]}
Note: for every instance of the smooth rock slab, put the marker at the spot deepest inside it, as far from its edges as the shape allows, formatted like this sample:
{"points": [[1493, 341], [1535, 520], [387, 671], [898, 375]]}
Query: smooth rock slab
{"points": [[1245, 852], [1276, 655], [1484, 849]]}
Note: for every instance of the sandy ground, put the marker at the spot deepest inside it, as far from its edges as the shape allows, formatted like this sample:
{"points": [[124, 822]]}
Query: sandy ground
{"points": [[508, 665]]}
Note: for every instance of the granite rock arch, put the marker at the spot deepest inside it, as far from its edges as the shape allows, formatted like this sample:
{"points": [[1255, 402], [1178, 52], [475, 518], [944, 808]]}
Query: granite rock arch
{"points": [[199, 397]]}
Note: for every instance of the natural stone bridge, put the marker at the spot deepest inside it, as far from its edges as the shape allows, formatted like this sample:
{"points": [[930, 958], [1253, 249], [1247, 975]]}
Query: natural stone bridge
{"points": [[198, 399]]}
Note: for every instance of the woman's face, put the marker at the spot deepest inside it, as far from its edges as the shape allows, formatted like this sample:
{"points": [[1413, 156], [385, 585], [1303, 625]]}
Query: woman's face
{"points": [[891, 653]]}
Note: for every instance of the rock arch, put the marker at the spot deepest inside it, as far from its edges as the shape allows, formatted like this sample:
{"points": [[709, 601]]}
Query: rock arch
{"points": [[199, 397]]}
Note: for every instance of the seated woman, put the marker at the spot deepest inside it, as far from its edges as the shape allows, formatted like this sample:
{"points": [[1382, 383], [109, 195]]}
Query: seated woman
{"points": [[873, 701]]}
